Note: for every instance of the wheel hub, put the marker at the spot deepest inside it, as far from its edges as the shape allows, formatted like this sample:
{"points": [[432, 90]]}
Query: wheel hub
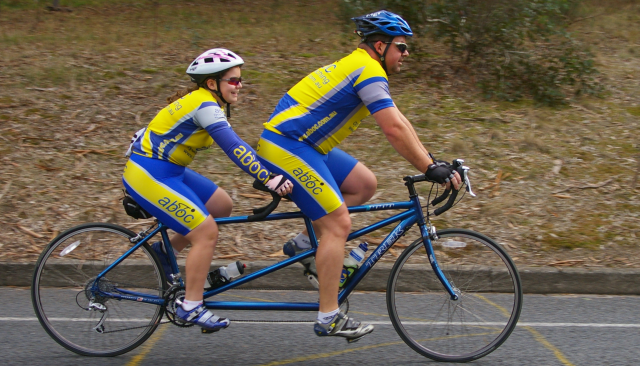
{"points": [[104, 285]]}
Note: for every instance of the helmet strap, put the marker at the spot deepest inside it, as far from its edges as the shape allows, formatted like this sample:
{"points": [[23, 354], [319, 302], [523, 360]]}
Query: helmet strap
{"points": [[217, 92], [382, 57]]}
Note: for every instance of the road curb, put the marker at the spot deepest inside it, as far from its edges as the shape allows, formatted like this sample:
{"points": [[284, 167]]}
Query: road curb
{"points": [[535, 280]]}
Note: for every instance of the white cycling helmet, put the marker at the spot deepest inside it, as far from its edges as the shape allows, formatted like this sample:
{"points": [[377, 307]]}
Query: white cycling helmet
{"points": [[212, 62]]}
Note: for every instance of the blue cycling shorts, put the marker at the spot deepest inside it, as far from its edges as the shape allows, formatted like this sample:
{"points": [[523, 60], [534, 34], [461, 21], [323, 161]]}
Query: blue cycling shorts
{"points": [[174, 194], [316, 177]]}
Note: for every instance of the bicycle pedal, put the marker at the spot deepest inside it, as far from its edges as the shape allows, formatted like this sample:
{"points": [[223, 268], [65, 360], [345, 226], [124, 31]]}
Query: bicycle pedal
{"points": [[209, 331], [353, 340]]}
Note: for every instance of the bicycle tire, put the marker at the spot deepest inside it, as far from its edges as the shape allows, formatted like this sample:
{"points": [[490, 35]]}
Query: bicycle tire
{"points": [[489, 305], [60, 290]]}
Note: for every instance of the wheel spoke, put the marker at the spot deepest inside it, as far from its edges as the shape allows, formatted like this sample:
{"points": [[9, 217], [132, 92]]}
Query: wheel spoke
{"points": [[62, 290], [488, 287]]}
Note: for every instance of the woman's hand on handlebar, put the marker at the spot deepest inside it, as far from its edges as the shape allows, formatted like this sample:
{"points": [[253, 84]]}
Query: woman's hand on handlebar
{"points": [[280, 185]]}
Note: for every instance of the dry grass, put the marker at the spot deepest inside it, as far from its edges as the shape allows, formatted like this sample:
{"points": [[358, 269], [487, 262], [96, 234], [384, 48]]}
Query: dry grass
{"points": [[76, 85]]}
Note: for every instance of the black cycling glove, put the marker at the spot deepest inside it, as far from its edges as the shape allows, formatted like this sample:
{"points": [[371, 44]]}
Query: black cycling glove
{"points": [[440, 171]]}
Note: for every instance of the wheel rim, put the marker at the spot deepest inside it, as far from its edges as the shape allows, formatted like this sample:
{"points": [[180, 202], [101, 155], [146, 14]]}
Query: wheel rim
{"points": [[61, 291], [490, 298]]}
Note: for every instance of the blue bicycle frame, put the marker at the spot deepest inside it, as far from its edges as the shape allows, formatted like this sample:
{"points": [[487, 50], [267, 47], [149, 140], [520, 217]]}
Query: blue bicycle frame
{"points": [[408, 218]]}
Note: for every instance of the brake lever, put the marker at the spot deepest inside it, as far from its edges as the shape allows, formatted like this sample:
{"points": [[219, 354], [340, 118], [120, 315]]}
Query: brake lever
{"points": [[465, 170]]}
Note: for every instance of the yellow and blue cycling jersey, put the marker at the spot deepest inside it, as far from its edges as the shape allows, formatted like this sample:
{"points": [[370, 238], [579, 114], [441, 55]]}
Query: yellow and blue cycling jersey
{"points": [[193, 123], [156, 174], [327, 106]]}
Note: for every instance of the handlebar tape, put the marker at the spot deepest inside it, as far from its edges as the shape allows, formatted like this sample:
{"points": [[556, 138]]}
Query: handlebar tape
{"points": [[447, 205], [444, 195], [452, 198], [262, 212]]}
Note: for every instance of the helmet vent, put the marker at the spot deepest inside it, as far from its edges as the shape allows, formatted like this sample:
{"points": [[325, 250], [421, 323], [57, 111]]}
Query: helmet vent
{"points": [[223, 60], [208, 59]]}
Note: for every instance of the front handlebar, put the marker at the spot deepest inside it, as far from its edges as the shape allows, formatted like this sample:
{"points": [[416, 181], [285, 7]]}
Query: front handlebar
{"points": [[450, 192]]}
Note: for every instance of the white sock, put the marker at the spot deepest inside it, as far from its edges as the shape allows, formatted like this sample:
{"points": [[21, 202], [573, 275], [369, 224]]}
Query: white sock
{"points": [[302, 241], [325, 318], [189, 305]]}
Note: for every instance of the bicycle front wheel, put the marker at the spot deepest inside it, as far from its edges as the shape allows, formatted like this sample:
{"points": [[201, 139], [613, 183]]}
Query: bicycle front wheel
{"points": [[82, 320], [489, 297]]}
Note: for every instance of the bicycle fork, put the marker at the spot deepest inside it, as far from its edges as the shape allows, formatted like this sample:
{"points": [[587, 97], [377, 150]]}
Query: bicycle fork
{"points": [[427, 235]]}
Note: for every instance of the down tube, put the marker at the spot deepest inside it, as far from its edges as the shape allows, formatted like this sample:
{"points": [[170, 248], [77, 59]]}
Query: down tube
{"points": [[393, 236]]}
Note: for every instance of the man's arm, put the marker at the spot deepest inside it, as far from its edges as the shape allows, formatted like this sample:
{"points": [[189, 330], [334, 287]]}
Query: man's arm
{"points": [[405, 141], [402, 137], [413, 131]]}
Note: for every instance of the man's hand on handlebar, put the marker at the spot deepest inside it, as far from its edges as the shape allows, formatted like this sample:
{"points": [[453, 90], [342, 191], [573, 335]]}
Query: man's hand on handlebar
{"points": [[443, 173], [280, 185]]}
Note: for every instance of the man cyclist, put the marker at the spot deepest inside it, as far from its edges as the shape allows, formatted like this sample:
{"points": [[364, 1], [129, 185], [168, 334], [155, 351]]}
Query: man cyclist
{"points": [[299, 141]]}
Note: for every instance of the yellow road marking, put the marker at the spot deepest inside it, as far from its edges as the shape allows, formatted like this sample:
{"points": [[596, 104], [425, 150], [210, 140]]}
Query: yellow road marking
{"points": [[538, 337], [147, 347], [336, 353]]}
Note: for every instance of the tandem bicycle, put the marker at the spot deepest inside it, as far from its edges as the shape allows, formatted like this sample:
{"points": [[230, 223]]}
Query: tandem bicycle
{"points": [[99, 290]]}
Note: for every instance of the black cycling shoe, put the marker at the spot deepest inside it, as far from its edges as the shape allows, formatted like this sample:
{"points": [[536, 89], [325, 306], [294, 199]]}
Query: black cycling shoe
{"points": [[343, 326]]}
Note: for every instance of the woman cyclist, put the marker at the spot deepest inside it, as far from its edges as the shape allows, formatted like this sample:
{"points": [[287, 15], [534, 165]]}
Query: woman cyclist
{"points": [[157, 177]]}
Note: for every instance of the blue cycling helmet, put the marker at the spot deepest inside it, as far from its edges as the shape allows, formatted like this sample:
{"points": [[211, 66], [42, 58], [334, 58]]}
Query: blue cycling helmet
{"points": [[384, 22], [381, 22]]}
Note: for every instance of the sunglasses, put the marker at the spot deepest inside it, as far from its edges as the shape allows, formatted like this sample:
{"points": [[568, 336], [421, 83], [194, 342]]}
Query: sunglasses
{"points": [[233, 81], [402, 47]]}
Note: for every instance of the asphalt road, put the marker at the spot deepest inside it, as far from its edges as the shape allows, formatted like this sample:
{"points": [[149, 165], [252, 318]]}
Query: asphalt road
{"points": [[553, 330]]}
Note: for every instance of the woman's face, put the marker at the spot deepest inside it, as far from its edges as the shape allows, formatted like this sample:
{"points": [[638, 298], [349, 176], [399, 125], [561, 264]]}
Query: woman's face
{"points": [[228, 90]]}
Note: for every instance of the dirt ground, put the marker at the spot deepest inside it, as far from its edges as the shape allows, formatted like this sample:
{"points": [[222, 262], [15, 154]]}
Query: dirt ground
{"points": [[555, 186]]}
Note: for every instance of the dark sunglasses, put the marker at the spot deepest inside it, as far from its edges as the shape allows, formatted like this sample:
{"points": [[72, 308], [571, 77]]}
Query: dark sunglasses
{"points": [[402, 47], [232, 81]]}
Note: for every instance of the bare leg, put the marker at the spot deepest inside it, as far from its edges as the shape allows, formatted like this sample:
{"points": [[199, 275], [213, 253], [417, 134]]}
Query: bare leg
{"points": [[218, 205], [335, 228], [359, 186], [203, 242]]}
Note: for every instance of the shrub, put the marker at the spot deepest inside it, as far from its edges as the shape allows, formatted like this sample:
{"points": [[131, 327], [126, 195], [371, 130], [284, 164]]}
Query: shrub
{"points": [[515, 48]]}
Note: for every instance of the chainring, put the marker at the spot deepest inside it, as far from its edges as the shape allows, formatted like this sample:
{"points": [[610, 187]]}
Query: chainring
{"points": [[170, 297]]}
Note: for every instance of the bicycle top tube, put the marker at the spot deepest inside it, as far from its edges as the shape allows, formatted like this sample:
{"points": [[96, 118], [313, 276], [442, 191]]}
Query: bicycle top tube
{"points": [[298, 214]]}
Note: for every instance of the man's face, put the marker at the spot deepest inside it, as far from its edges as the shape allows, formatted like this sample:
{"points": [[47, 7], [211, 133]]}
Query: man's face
{"points": [[394, 57]]}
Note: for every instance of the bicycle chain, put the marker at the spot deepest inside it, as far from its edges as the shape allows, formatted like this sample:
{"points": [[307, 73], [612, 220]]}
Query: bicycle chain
{"points": [[233, 320]]}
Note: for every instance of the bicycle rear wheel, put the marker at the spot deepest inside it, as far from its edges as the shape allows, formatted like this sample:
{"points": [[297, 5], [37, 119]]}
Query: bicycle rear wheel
{"points": [[62, 297], [489, 304]]}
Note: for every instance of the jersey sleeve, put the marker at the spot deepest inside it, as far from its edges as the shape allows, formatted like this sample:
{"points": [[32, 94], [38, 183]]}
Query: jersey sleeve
{"points": [[374, 93], [241, 153], [210, 116]]}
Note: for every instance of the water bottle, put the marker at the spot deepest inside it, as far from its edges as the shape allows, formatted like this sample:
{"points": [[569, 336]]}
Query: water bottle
{"points": [[353, 261], [225, 274]]}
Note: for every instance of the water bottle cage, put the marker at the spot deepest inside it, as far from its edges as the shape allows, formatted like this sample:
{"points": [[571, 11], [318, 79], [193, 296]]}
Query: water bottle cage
{"points": [[347, 274], [216, 280]]}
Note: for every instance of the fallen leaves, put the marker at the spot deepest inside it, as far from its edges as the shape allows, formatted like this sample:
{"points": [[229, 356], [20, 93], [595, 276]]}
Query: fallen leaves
{"points": [[30, 232]]}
